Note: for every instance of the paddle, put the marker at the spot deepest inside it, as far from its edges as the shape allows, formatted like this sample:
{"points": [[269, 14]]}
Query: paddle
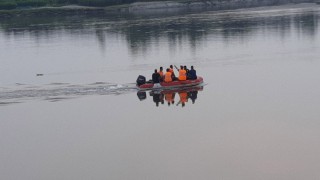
{"points": [[176, 67]]}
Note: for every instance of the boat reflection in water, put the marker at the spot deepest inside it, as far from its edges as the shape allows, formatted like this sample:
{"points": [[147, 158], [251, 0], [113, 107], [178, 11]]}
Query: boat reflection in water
{"points": [[170, 97]]}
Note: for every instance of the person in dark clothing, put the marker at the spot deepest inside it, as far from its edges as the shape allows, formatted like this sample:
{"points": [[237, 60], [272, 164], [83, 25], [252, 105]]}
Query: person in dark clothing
{"points": [[156, 77], [171, 70], [192, 74], [174, 78]]}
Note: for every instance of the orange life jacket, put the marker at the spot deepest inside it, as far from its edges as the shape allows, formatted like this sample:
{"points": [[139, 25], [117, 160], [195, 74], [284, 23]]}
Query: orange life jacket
{"points": [[182, 75], [167, 77], [183, 97], [161, 73], [169, 97]]}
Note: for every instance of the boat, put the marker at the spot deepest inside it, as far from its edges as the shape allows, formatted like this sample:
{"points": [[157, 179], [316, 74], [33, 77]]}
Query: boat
{"points": [[168, 85]]}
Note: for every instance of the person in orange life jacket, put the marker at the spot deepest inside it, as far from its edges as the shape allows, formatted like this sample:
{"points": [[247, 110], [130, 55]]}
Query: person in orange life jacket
{"points": [[182, 74], [161, 74], [169, 97], [168, 76], [192, 74], [183, 98]]}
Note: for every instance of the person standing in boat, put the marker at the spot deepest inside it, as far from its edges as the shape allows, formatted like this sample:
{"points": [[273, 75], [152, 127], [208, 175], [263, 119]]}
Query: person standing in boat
{"points": [[192, 75], [156, 78], [182, 74]]}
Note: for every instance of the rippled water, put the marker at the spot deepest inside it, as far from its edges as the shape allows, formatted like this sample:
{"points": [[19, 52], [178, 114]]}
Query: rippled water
{"points": [[69, 108]]}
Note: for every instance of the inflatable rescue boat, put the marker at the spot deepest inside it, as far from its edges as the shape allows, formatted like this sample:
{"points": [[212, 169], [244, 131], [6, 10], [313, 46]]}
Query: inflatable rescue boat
{"points": [[142, 84]]}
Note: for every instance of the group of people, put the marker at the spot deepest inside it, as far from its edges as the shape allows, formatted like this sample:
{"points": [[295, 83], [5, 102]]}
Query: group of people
{"points": [[169, 76]]}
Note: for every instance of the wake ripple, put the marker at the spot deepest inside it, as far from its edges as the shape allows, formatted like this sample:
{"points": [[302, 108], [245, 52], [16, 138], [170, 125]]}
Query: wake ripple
{"points": [[61, 91]]}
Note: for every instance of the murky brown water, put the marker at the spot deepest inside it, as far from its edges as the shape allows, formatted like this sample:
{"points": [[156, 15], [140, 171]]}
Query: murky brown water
{"points": [[69, 110]]}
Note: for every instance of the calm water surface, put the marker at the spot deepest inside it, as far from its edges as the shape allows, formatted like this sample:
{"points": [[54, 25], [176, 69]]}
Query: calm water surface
{"points": [[69, 109]]}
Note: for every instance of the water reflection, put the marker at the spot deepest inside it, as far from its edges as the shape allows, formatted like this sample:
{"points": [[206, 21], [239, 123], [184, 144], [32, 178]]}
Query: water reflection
{"points": [[172, 97], [140, 31]]}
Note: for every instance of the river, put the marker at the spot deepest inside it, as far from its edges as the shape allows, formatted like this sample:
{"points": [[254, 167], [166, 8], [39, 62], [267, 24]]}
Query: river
{"points": [[69, 108]]}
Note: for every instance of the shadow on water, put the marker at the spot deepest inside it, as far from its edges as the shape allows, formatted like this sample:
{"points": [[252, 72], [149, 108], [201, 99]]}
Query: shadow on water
{"points": [[140, 30], [172, 97]]}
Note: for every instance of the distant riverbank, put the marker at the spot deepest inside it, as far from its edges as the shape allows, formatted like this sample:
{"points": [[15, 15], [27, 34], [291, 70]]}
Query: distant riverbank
{"points": [[140, 7]]}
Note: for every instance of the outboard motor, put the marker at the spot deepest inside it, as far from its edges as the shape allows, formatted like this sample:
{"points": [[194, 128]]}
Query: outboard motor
{"points": [[141, 80]]}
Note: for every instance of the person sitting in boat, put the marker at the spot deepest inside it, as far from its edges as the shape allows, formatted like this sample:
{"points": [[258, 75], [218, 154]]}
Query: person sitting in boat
{"points": [[172, 73], [192, 75], [171, 69], [187, 70], [156, 78], [182, 74], [168, 76], [161, 74]]}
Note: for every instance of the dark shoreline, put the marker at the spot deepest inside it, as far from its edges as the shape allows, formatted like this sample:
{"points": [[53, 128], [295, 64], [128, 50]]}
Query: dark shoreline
{"points": [[146, 7]]}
